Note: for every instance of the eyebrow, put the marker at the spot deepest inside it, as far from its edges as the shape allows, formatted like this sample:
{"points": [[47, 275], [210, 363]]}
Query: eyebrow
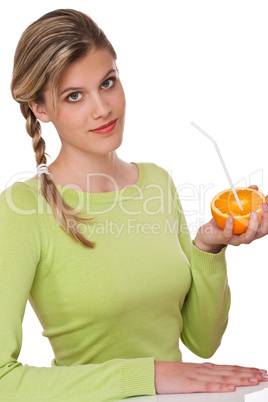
{"points": [[80, 88]]}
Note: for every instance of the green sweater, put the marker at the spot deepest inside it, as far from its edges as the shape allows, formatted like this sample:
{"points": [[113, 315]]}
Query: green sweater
{"points": [[108, 312]]}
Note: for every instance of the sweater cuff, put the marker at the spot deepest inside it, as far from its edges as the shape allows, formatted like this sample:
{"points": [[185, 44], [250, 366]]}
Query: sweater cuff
{"points": [[208, 263], [137, 377]]}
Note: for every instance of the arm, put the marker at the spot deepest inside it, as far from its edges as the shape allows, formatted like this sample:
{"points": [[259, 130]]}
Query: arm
{"points": [[205, 310], [205, 313], [21, 248], [207, 257]]}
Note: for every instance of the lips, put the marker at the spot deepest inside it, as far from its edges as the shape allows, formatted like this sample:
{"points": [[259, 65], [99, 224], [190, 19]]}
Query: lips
{"points": [[105, 129]]}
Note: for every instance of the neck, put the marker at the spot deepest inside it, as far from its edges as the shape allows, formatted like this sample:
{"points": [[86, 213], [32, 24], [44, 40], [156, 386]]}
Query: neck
{"points": [[94, 173]]}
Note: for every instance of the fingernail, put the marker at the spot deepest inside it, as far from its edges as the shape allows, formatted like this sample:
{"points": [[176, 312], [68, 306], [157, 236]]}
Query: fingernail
{"points": [[253, 380], [263, 371], [231, 387], [265, 375], [231, 219], [254, 216], [265, 207]]}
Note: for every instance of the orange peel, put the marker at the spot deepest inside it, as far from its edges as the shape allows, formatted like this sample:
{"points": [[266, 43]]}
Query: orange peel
{"points": [[224, 205]]}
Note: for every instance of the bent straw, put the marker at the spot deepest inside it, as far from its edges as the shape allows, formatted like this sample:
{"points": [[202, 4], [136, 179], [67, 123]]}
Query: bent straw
{"points": [[222, 162]]}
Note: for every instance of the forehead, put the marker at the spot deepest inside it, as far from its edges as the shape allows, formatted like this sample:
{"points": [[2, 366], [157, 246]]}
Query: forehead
{"points": [[91, 67]]}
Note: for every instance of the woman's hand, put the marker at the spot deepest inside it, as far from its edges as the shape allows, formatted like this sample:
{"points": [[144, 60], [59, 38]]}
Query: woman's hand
{"points": [[211, 238], [177, 378]]}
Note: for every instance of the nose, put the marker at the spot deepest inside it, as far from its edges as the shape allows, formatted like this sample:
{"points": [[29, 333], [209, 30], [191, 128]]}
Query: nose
{"points": [[100, 106]]}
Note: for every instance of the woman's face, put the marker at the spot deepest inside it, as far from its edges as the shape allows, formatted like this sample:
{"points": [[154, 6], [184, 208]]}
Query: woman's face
{"points": [[91, 106]]}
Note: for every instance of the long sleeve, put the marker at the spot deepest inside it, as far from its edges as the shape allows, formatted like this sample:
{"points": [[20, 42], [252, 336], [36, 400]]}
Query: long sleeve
{"points": [[205, 309], [22, 245], [108, 312]]}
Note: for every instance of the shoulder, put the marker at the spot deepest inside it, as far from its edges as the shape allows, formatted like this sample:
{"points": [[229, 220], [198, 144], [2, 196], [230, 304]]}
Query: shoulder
{"points": [[19, 197], [158, 175], [22, 224], [154, 170]]}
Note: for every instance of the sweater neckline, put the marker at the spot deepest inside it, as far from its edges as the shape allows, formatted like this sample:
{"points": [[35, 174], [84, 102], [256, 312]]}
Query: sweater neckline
{"points": [[131, 191]]}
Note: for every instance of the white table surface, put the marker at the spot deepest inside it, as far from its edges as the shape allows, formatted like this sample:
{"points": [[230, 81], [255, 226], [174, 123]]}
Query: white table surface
{"points": [[258, 393]]}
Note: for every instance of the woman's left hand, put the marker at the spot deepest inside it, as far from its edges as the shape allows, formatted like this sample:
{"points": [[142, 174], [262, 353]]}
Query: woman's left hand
{"points": [[211, 238]]}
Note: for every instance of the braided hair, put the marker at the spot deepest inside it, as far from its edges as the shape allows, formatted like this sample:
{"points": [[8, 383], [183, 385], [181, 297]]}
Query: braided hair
{"points": [[45, 50]]}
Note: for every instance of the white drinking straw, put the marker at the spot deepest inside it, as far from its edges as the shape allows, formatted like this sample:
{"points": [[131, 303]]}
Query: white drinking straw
{"points": [[222, 162]]}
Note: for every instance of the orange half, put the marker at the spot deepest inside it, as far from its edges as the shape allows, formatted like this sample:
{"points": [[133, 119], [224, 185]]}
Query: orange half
{"points": [[224, 205]]}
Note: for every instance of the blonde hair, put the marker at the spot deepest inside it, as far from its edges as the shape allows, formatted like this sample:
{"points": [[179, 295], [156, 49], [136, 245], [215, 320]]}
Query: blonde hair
{"points": [[45, 50]]}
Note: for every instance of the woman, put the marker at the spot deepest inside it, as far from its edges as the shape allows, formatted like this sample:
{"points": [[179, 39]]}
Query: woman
{"points": [[100, 246]]}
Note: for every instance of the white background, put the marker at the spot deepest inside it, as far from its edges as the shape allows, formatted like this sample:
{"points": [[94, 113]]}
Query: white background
{"points": [[179, 61]]}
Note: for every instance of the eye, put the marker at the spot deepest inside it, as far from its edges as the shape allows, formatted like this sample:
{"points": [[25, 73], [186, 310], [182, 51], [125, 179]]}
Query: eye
{"points": [[74, 97], [108, 83]]}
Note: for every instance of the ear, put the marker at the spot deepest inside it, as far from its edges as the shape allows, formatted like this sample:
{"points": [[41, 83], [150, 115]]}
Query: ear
{"points": [[39, 111]]}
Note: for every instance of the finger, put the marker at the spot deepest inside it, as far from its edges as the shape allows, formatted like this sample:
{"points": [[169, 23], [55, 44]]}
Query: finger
{"points": [[227, 233], [229, 379], [231, 367], [228, 229], [251, 231], [226, 375], [263, 228], [207, 386], [254, 187], [215, 370]]}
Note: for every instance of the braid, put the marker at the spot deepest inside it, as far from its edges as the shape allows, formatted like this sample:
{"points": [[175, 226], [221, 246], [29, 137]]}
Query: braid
{"points": [[33, 128], [45, 50], [63, 212]]}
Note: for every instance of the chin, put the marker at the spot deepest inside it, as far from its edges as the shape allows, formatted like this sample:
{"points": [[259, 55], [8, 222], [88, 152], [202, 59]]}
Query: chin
{"points": [[109, 146]]}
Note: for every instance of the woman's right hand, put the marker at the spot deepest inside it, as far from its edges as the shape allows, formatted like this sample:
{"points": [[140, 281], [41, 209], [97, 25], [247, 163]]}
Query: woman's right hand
{"points": [[186, 378]]}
